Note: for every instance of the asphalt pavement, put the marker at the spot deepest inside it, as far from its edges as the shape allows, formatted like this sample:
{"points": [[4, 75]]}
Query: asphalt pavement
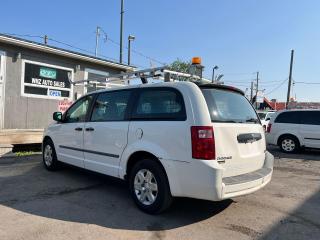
{"points": [[77, 204]]}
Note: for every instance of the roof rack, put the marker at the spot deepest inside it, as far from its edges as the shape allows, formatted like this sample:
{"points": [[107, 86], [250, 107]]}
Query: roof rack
{"points": [[162, 73]]}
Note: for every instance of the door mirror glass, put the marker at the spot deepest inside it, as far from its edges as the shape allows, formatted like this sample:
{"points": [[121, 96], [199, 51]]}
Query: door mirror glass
{"points": [[57, 116], [268, 119]]}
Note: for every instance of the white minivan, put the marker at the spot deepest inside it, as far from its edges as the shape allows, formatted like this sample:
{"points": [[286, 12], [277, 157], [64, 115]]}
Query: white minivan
{"points": [[169, 139], [292, 130], [265, 117]]}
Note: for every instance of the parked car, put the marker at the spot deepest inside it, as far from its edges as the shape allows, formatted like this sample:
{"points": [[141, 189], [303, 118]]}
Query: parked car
{"points": [[170, 139], [292, 130], [265, 117]]}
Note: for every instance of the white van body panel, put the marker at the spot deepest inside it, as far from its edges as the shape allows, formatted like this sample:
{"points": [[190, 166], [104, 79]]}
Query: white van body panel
{"points": [[308, 135], [243, 167]]}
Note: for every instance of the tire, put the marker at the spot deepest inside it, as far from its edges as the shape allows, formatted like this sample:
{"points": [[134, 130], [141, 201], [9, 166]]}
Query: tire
{"points": [[49, 156], [289, 144], [149, 187]]}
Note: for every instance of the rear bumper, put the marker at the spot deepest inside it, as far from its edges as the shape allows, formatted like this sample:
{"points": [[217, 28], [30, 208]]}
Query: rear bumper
{"points": [[246, 183], [203, 180], [249, 182]]}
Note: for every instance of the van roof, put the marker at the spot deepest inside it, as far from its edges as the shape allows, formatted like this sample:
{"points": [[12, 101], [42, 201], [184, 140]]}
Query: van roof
{"points": [[199, 84]]}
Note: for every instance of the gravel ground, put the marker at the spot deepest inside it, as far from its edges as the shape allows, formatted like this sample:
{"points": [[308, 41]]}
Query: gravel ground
{"points": [[76, 204]]}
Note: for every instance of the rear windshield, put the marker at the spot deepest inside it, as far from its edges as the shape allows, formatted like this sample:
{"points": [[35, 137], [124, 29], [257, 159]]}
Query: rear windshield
{"points": [[229, 106]]}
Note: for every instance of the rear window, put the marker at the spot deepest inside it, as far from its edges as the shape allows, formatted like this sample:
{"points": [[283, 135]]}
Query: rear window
{"points": [[288, 117], [299, 117], [229, 106], [159, 104], [310, 117]]}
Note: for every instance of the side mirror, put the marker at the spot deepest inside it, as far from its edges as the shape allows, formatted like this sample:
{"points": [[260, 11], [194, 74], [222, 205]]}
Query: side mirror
{"points": [[57, 116], [268, 119]]}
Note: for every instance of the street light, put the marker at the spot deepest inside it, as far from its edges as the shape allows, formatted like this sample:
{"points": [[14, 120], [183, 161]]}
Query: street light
{"points": [[214, 68], [130, 38]]}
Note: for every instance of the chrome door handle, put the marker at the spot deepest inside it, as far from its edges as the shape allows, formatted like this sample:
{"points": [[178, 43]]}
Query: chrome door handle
{"points": [[78, 129], [89, 129]]}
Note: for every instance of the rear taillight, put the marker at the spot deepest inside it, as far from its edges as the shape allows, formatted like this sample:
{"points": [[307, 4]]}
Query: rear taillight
{"points": [[269, 127], [203, 145]]}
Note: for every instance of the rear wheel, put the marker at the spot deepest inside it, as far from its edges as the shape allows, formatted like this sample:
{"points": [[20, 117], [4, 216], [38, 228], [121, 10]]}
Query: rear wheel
{"points": [[289, 144], [149, 186], [49, 156]]}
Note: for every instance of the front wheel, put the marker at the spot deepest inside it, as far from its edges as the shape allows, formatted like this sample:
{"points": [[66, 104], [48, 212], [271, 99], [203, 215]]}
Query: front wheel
{"points": [[49, 156], [149, 187]]}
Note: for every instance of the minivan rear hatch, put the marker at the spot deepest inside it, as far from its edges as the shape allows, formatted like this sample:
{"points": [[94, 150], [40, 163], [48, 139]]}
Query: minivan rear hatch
{"points": [[239, 137]]}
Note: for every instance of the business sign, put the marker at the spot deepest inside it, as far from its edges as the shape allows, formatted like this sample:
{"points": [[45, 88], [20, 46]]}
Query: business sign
{"points": [[64, 105], [54, 93], [48, 73], [48, 81]]}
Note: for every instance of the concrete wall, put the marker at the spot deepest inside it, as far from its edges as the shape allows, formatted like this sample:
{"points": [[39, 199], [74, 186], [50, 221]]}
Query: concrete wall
{"points": [[28, 112]]}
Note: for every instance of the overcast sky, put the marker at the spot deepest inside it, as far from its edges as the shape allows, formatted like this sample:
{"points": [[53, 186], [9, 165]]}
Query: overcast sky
{"points": [[241, 37]]}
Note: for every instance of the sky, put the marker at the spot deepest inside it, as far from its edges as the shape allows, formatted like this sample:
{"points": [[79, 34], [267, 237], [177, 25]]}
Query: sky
{"points": [[241, 37]]}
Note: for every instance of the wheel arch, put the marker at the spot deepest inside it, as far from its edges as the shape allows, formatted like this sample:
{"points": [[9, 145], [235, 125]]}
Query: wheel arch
{"points": [[138, 156], [288, 135], [46, 138]]}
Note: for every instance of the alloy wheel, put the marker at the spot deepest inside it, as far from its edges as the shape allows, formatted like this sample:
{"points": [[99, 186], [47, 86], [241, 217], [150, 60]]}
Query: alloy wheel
{"points": [[145, 187], [48, 155]]}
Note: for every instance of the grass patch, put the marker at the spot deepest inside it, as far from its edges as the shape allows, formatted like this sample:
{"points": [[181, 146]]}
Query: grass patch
{"points": [[24, 154]]}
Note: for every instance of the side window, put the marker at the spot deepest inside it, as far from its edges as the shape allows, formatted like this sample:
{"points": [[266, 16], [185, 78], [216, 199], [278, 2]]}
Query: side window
{"points": [[288, 117], [110, 106], [78, 112], [159, 104], [310, 117]]}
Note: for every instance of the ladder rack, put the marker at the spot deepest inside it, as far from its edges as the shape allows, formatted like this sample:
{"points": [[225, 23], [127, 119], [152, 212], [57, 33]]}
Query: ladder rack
{"points": [[162, 73]]}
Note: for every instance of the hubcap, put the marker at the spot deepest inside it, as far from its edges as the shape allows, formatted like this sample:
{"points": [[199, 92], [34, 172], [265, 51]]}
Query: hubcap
{"points": [[288, 145], [145, 187], [48, 155]]}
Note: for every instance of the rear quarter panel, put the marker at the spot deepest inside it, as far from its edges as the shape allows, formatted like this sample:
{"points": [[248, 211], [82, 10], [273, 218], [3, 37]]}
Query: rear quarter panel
{"points": [[169, 141]]}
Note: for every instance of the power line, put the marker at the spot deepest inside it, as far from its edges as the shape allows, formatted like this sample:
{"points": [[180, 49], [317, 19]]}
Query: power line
{"points": [[306, 82], [62, 43], [277, 87], [238, 74], [133, 50], [81, 49], [238, 81]]}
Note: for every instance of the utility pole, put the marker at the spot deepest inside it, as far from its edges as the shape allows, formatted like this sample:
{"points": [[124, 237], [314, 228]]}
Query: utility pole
{"points": [[290, 79], [251, 93], [97, 40], [257, 90], [121, 30], [130, 38], [45, 39]]}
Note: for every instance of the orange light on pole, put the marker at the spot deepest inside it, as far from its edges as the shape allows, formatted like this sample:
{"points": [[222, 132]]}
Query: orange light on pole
{"points": [[196, 60]]}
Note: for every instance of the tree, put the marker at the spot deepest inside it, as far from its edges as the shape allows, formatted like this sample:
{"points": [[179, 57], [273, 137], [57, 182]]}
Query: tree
{"points": [[180, 66]]}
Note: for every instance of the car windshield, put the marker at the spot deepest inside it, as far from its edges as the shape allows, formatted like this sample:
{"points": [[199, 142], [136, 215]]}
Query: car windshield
{"points": [[269, 114], [262, 115], [229, 106]]}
